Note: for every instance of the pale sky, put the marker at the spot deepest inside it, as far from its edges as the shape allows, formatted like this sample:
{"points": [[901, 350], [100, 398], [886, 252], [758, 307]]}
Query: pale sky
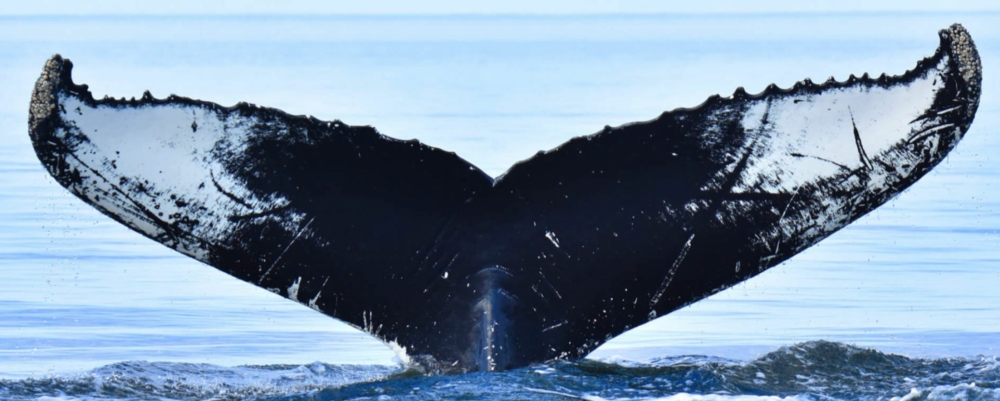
{"points": [[223, 7]]}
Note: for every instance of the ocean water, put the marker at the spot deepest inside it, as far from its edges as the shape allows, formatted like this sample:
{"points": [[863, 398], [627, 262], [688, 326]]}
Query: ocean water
{"points": [[904, 304]]}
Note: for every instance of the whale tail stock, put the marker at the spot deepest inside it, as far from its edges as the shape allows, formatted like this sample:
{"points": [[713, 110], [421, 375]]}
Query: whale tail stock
{"points": [[561, 253]]}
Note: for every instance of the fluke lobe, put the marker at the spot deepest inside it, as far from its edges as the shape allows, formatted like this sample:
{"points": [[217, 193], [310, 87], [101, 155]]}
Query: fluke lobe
{"points": [[559, 254]]}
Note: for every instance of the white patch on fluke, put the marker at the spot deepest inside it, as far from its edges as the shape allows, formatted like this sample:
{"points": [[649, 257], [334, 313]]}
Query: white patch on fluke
{"points": [[552, 238], [805, 138], [293, 290], [156, 148]]}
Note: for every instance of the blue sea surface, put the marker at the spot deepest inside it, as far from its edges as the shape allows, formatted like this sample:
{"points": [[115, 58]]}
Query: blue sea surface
{"points": [[904, 304]]}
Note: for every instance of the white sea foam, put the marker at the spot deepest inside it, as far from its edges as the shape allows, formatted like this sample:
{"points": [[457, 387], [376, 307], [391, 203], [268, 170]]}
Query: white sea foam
{"points": [[722, 397]]}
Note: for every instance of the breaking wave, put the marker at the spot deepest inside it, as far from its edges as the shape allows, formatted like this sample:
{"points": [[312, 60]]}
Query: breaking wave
{"points": [[816, 370]]}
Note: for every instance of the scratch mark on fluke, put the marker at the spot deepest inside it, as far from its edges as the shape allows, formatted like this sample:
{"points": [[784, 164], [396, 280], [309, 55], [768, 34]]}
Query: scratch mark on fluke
{"points": [[857, 141], [284, 251], [671, 272]]}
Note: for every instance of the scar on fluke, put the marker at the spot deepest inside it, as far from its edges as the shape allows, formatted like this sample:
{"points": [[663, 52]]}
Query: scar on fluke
{"points": [[671, 272], [234, 198], [857, 141], [796, 154]]}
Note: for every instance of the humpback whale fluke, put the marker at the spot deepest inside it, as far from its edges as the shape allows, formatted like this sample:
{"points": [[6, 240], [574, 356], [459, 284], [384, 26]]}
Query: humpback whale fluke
{"points": [[562, 252]]}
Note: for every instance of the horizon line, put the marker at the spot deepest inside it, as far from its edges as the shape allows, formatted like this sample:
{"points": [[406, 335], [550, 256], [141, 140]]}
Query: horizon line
{"points": [[508, 14]]}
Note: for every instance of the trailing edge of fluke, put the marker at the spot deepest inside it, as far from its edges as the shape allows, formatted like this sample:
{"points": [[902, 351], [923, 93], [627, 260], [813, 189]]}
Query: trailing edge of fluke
{"points": [[566, 250]]}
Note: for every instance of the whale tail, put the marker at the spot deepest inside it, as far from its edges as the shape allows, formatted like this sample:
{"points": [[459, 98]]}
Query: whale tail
{"points": [[561, 253]]}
